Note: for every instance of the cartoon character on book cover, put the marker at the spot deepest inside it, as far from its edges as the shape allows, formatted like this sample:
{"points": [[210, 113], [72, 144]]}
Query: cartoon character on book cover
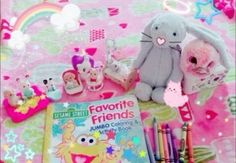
{"points": [[89, 133]]}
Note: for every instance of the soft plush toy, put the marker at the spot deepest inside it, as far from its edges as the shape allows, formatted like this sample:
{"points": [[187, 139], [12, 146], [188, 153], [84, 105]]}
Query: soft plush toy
{"points": [[159, 57], [201, 65]]}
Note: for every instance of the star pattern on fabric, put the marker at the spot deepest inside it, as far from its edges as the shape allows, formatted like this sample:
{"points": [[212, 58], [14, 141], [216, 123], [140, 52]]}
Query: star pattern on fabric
{"points": [[12, 153], [20, 147], [142, 154], [66, 104], [110, 150], [11, 137], [110, 134], [29, 154], [209, 18], [96, 134]]}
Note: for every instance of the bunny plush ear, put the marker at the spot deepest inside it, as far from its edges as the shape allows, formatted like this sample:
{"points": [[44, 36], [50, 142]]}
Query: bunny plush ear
{"points": [[214, 39]]}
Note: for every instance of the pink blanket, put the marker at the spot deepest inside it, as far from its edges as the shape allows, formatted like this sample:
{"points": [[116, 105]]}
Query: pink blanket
{"points": [[48, 54]]}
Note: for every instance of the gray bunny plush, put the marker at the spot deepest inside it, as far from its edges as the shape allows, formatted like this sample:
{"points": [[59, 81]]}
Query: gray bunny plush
{"points": [[159, 58]]}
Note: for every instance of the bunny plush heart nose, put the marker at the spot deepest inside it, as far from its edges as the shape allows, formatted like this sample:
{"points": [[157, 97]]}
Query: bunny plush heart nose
{"points": [[161, 41]]}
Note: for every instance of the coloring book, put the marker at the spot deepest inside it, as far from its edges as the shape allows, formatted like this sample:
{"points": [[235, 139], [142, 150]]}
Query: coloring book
{"points": [[105, 131]]}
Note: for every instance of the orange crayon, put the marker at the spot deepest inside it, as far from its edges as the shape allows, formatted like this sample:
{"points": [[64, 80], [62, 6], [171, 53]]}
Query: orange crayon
{"points": [[189, 144]]}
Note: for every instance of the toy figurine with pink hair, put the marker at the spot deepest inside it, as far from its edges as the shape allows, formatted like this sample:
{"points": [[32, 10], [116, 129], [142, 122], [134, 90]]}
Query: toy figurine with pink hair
{"points": [[82, 64], [72, 82]]}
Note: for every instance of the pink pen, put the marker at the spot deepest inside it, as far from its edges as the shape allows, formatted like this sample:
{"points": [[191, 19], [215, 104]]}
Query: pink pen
{"points": [[165, 143]]}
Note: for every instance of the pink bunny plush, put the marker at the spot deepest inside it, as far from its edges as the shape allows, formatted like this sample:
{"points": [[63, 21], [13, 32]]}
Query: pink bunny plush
{"points": [[201, 65]]}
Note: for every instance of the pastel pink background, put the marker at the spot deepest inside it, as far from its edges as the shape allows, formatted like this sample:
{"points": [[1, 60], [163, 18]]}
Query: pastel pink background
{"points": [[41, 62]]}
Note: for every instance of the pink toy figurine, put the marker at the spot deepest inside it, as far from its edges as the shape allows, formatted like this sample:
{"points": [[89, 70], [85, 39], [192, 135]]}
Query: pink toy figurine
{"points": [[72, 82], [82, 64], [95, 78], [201, 65]]}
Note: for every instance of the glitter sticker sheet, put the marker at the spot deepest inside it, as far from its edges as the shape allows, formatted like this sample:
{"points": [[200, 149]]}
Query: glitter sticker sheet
{"points": [[40, 38]]}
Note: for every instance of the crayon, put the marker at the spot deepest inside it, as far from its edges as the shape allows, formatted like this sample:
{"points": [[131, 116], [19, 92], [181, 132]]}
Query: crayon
{"points": [[149, 148], [165, 143], [161, 147], [155, 131], [174, 147], [170, 144], [189, 144], [183, 143]]}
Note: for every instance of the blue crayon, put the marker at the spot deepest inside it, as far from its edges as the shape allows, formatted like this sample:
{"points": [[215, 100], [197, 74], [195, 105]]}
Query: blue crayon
{"points": [[149, 148]]}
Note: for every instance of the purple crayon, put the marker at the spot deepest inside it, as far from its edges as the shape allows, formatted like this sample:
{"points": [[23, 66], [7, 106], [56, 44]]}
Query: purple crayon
{"points": [[170, 144], [176, 160]]}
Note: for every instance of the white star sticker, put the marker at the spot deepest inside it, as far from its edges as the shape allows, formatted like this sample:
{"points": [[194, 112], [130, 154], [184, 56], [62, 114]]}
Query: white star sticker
{"points": [[29, 154], [66, 104]]}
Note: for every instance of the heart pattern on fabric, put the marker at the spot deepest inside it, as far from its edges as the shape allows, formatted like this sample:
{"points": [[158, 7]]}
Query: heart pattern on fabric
{"points": [[113, 11], [123, 25], [6, 36], [144, 115], [91, 51], [6, 77], [106, 95], [210, 114]]}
